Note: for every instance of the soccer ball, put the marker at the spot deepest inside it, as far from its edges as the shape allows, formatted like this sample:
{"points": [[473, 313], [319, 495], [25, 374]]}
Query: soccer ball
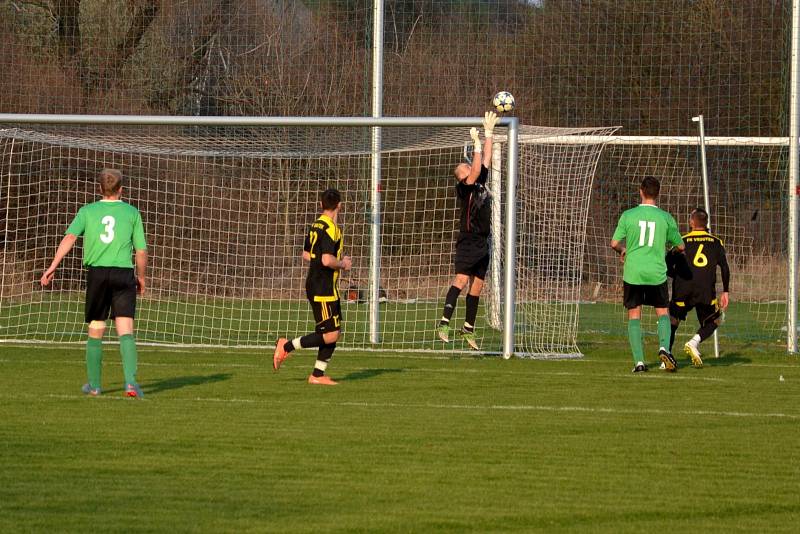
{"points": [[503, 101]]}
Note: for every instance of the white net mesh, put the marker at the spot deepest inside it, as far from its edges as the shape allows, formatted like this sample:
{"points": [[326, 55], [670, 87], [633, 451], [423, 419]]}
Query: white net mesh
{"points": [[748, 211], [226, 210]]}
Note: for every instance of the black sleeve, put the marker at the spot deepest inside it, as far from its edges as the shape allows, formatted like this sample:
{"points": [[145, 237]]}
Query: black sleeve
{"points": [[307, 243], [462, 190], [723, 267], [483, 176], [678, 266], [670, 259]]}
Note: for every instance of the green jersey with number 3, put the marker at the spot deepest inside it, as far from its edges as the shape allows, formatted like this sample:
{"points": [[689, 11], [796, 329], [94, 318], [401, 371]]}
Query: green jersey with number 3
{"points": [[111, 229], [648, 231]]}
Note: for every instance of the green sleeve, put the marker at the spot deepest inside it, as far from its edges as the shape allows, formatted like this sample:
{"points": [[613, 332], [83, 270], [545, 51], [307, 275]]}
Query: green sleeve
{"points": [[620, 233], [673, 234], [139, 242], [78, 224]]}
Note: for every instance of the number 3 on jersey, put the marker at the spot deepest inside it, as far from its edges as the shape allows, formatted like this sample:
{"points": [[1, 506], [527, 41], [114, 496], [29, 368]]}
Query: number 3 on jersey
{"points": [[108, 236], [649, 228]]}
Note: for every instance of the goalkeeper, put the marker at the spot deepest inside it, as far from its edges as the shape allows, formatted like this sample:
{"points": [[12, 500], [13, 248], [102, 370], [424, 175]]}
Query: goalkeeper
{"points": [[472, 244], [111, 230], [694, 281]]}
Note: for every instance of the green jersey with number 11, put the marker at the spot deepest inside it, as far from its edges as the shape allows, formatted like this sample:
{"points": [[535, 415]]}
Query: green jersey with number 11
{"points": [[111, 229], [648, 231]]}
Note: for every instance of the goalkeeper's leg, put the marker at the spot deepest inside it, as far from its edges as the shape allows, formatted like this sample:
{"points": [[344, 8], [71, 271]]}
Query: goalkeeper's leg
{"points": [[473, 297], [450, 302]]}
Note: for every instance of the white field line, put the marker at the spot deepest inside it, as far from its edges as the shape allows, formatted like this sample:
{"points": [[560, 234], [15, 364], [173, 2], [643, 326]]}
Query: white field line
{"points": [[439, 406]]}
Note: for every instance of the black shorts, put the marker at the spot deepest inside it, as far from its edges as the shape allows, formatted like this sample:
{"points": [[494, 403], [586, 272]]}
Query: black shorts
{"points": [[705, 311], [110, 293], [640, 295], [327, 314], [472, 256]]}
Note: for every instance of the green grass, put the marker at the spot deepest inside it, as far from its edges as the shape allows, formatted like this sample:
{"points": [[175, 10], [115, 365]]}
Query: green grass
{"points": [[404, 443]]}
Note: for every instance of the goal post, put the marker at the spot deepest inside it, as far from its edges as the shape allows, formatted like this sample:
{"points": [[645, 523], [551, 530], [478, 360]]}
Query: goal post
{"points": [[226, 201]]}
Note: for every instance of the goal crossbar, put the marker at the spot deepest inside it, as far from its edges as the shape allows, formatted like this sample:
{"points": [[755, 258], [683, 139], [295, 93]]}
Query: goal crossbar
{"points": [[183, 120]]}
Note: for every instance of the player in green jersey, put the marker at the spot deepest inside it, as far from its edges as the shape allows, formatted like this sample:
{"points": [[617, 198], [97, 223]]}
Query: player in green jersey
{"points": [[111, 230], [642, 236]]}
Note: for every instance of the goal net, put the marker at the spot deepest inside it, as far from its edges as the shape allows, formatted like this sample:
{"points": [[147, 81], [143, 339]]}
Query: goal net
{"points": [[226, 210], [749, 212]]}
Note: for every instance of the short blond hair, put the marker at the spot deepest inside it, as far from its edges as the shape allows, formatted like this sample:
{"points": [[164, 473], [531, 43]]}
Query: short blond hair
{"points": [[110, 181]]}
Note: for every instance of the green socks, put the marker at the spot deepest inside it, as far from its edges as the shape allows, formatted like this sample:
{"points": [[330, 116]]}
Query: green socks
{"points": [[635, 339], [127, 347], [664, 332], [94, 361]]}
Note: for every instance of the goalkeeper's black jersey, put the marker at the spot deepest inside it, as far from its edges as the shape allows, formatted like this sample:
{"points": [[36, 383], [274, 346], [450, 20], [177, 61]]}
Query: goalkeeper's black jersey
{"points": [[694, 273], [476, 206], [324, 237]]}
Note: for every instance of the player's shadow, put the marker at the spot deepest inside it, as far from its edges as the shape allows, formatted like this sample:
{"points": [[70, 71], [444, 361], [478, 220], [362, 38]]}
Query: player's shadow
{"points": [[177, 382], [365, 374], [725, 359]]}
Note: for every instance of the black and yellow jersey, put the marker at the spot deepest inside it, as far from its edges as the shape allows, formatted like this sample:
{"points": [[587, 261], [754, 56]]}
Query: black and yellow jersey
{"points": [[324, 237], [694, 273]]}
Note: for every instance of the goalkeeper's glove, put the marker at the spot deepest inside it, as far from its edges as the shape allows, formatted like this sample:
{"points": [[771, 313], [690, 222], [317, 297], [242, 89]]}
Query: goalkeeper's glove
{"points": [[490, 119], [476, 139]]}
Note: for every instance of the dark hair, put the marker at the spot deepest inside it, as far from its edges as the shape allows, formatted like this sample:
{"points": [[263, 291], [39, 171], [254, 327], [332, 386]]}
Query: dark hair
{"points": [[650, 187], [330, 198], [110, 181], [699, 217]]}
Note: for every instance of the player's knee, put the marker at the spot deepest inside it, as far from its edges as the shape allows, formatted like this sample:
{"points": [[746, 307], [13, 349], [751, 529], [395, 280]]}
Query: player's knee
{"points": [[476, 287], [97, 328], [460, 281], [331, 337]]}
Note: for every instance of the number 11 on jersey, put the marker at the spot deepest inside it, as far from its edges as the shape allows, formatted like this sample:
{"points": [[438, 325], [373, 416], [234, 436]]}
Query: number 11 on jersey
{"points": [[649, 228]]}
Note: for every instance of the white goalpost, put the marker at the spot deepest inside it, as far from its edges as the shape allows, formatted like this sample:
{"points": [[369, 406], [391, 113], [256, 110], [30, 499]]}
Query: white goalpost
{"points": [[226, 202]]}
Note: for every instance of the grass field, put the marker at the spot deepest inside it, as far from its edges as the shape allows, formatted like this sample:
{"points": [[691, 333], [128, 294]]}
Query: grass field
{"points": [[404, 443]]}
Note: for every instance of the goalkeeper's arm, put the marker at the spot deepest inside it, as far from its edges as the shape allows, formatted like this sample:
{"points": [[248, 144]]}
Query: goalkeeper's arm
{"points": [[477, 161], [490, 120]]}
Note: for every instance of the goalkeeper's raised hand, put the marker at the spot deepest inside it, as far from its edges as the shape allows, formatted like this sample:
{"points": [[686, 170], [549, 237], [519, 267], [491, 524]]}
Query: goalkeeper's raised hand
{"points": [[490, 120], [476, 139]]}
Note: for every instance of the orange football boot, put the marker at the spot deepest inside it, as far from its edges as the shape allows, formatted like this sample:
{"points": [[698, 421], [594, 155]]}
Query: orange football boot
{"points": [[321, 380], [280, 354]]}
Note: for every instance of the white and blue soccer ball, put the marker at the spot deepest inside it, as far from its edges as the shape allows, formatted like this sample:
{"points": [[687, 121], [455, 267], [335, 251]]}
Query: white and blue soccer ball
{"points": [[503, 102]]}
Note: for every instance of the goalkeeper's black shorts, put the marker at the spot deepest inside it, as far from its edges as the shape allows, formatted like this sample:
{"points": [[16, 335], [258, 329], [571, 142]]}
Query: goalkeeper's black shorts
{"points": [[110, 293], [472, 256]]}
